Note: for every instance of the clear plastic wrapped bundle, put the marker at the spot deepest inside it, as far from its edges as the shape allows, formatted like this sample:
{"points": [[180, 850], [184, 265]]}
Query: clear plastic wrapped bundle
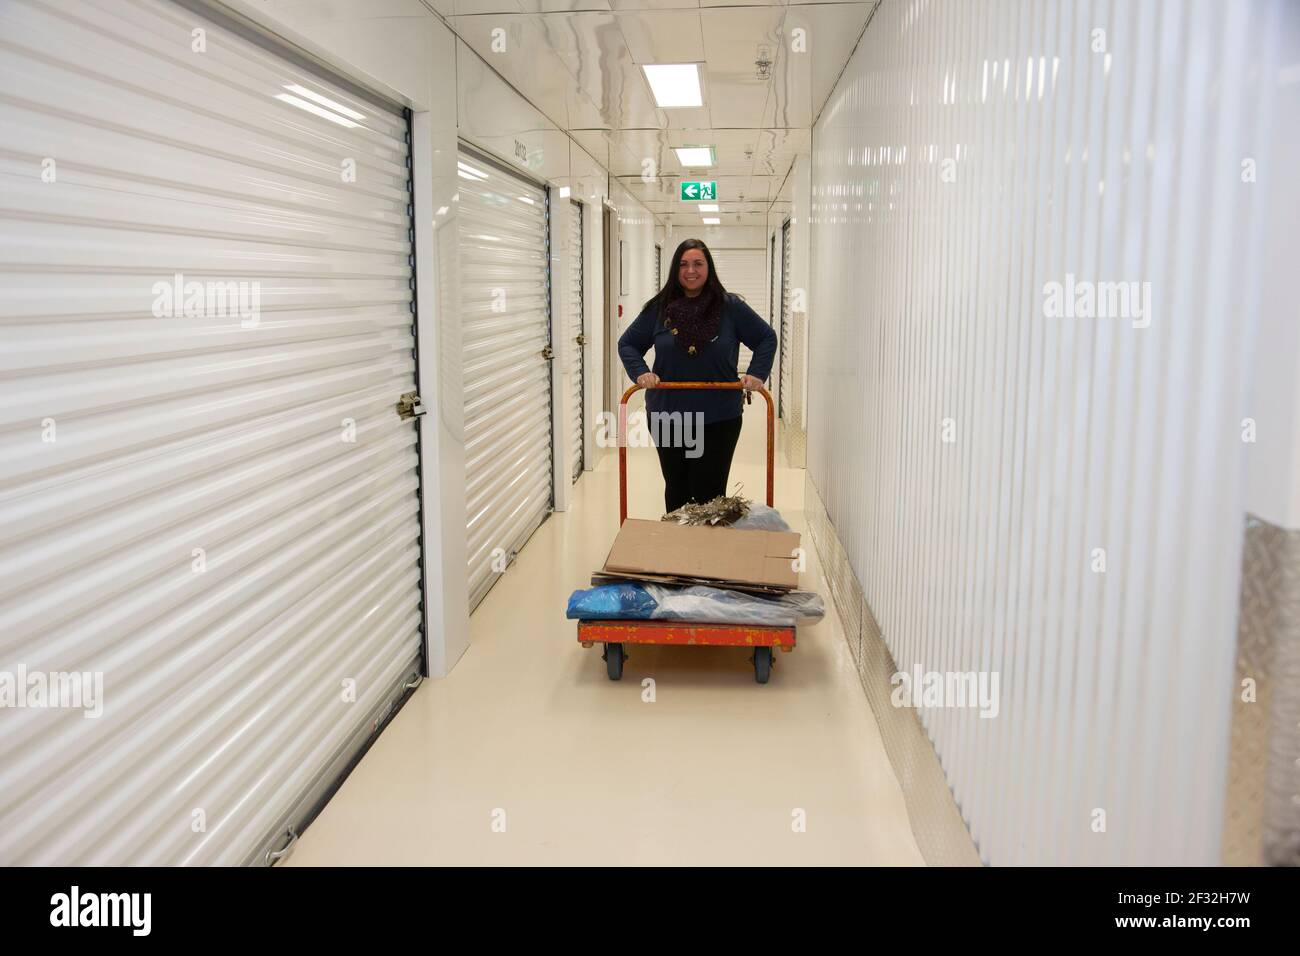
{"points": [[761, 518], [720, 606]]}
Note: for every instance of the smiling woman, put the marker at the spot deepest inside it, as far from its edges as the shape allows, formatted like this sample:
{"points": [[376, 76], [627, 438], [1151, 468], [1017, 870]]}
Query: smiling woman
{"points": [[696, 328]]}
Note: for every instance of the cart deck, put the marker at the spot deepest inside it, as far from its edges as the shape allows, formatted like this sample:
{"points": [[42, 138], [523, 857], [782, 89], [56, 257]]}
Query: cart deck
{"points": [[615, 635]]}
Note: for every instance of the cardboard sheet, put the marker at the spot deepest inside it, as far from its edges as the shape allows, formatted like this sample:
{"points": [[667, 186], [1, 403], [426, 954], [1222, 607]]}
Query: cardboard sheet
{"points": [[705, 553], [611, 577]]}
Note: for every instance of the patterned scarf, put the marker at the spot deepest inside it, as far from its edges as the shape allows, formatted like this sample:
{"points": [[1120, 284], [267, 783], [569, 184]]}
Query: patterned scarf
{"points": [[694, 322]]}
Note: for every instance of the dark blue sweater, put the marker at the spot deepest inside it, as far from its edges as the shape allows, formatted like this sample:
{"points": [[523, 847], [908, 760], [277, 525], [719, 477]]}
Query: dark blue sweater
{"points": [[716, 362]]}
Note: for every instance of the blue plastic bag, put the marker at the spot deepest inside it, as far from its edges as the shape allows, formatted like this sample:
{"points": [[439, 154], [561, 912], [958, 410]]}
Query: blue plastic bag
{"points": [[624, 600]]}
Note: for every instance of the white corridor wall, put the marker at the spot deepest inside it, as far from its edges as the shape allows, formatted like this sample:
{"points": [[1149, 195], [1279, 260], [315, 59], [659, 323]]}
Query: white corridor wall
{"points": [[977, 454], [632, 280]]}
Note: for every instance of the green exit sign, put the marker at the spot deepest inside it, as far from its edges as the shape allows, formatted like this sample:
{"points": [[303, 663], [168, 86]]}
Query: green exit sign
{"points": [[692, 192]]}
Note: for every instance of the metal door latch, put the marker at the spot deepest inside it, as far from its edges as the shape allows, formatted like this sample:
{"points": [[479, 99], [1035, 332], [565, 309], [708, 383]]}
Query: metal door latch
{"points": [[408, 406], [581, 340], [547, 353]]}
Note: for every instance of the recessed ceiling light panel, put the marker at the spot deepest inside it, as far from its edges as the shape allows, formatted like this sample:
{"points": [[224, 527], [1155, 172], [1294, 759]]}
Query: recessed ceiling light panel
{"points": [[694, 155], [674, 85]]}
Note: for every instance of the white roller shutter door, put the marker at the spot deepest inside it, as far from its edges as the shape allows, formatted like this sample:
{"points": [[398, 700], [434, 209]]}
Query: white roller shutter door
{"points": [[208, 499], [578, 338], [743, 271], [505, 315], [785, 350]]}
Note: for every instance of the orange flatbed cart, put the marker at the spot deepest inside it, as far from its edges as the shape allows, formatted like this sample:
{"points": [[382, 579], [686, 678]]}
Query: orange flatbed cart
{"points": [[615, 635]]}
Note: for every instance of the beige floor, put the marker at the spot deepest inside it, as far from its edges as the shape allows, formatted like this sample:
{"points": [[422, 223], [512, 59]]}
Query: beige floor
{"points": [[712, 772]]}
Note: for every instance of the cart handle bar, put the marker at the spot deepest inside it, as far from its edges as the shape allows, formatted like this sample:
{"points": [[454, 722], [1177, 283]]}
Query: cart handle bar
{"points": [[725, 386]]}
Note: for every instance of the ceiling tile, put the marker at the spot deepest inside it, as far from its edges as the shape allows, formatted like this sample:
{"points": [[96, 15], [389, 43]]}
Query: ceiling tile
{"points": [[655, 4], [733, 35], [476, 7], [562, 6], [663, 36], [737, 103], [521, 54]]}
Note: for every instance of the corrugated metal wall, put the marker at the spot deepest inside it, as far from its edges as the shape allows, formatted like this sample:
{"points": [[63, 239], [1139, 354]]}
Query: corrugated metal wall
{"points": [[974, 450]]}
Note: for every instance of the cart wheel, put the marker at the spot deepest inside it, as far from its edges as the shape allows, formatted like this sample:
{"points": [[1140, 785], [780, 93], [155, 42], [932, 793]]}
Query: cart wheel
{"points": [[762, 664], [614, 658]]}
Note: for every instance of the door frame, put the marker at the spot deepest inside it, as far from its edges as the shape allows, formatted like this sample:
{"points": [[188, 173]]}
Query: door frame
{"points": [[783, 327], [611, 324], [771, 282], [578, 208], [550, 244]]}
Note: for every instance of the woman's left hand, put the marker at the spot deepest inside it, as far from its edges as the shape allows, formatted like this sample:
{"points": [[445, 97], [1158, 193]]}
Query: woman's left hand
{"points": [[750, 382]]}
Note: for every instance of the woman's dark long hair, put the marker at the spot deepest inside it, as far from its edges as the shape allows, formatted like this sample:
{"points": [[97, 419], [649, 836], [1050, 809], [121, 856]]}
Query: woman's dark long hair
{"points": [[673, 288]]}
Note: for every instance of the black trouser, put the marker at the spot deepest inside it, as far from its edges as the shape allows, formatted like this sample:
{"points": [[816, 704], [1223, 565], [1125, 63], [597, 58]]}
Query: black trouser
{"points": [[704, 478]]}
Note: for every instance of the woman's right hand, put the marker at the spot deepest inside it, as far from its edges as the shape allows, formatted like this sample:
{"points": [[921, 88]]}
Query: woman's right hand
{"points": [[648, 380]]}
